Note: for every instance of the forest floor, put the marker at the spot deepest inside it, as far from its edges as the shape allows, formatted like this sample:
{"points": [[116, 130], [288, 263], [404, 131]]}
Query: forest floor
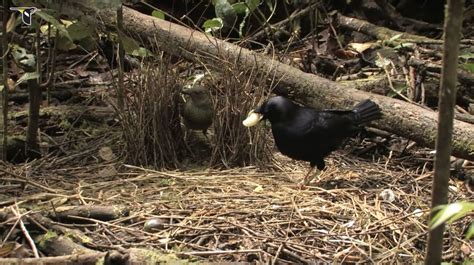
{"points": [[242, 214]]}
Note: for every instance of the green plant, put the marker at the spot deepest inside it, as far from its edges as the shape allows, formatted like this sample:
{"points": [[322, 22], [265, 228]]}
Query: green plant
{"points": [[448, 213], [226, 15]]}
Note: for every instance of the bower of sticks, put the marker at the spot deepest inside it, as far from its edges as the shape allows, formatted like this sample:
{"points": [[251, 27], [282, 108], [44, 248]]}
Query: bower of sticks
{"points": [[112, 191]]}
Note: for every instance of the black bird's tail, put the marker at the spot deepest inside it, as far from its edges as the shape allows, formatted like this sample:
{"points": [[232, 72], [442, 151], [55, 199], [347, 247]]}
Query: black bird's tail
{"points": [[365, 112]]}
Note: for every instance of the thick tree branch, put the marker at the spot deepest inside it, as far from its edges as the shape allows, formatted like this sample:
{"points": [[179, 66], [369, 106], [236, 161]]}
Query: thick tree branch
{"points": [[447, 96]]}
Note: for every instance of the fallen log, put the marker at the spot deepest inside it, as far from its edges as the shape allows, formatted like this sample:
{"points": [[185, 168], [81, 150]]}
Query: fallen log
{"points": [[131, 256], [381, 86], [88, 258], [56, 245], [89, 113], [464, 77], [401, 118], [99, 212], [61, 95], [382, 33]]}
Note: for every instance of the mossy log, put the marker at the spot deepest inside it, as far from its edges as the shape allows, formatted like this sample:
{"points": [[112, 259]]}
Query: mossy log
{"points": [[99, 212]]}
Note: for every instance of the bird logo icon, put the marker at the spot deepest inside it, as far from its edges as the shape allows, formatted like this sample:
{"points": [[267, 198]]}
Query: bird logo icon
{"points": [[26, 13]]}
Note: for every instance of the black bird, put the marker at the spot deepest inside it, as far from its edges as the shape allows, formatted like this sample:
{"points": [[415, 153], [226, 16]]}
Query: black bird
{"points": [[198, 110], [306, 134]]}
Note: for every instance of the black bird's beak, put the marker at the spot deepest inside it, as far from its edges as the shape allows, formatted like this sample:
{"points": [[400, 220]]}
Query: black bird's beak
{"points": [[253, 118]]}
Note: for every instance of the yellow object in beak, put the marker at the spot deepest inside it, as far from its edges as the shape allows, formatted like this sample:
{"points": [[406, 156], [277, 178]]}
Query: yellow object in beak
{"points": [[252, 119]]}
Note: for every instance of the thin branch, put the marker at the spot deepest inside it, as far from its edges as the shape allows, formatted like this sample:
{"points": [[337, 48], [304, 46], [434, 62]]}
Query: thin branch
{"points": [[4, 97], [447, 97], [31, 242], [21, 179]]}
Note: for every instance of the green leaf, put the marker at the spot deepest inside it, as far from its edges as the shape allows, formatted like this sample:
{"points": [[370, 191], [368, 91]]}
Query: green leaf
{"points": [[65, 44], [102, 4], [450, 213], [242, 24], [88, 43], [23, 59], [212, 24], [410, 45], [223, 9], [196, 78], [44, 29], [382, 62], [470, 232], [468, 67], [467, 55], [247, 6], [27, 76], [141, 52], [66, 23], [129, 44], [252, 4], [158, 14], [240, 8], [396, 37], [18, 52], [43, 240], [400, 89], [270, 5], [12, 22], [391, 94], [79, 31], [23, 3], [58, 25]]}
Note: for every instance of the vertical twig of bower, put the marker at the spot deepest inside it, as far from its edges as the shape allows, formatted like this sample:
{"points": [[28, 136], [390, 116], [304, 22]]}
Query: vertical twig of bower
{"points": [[4, 93], [447, 95], [121, 55], [35, 99]]}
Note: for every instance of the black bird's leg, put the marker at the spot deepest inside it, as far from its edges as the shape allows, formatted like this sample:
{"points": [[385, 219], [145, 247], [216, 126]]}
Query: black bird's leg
{"points": [[308, 177], [186, 135], [205, 134]]}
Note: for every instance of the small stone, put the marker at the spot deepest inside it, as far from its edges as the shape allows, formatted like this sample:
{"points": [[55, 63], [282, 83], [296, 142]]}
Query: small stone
{"points": [[155, 224], [387, 195]]}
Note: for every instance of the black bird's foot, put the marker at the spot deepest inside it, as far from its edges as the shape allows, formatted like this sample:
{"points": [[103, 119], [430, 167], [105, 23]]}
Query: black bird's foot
{"points": [[186, 145], [302, 186], [309, 177], [204, 132]]}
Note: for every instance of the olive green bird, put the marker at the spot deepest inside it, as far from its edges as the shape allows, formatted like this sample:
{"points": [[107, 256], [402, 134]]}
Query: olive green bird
{"points": [[198, 110]]}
